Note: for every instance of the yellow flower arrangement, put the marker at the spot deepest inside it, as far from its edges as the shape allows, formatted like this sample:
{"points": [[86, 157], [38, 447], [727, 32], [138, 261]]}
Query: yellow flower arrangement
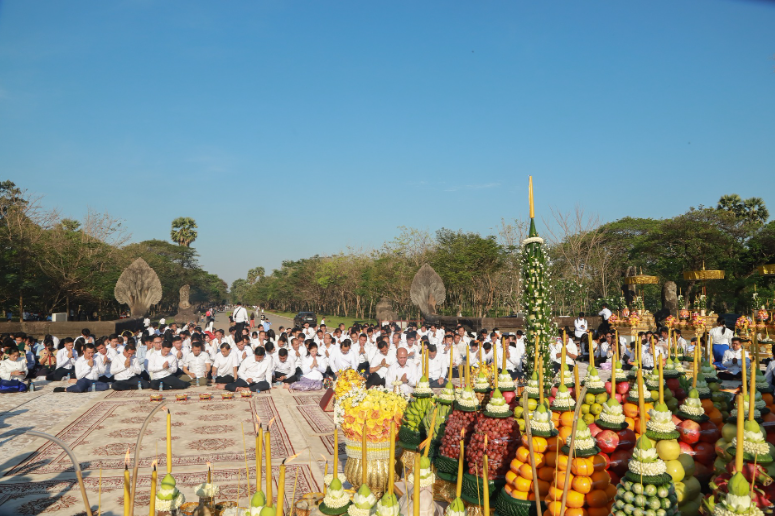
{"points": [[376, 408], [350, 379]]}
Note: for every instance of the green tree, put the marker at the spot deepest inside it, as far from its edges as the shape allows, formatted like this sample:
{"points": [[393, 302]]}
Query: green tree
{"points": [[183, 231]]}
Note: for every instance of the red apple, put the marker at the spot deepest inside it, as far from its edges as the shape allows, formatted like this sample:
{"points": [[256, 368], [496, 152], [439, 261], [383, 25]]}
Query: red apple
{"points": [[686, 448], [619, 397], [622, 388], [677, 420], [614, 477], [607, 441], [673, 384], [702, 472], [608, 387], [594, 429], [704, 453], [554, 391], [690, 431], [626, 439], [619, 460], [680, 394], [709, 432]]}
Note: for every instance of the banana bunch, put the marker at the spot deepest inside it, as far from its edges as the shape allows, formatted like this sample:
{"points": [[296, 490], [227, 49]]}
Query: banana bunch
{"points": [[415, 412], [442, 413]]}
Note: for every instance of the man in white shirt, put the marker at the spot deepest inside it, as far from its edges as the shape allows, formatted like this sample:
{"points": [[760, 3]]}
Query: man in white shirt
{"points": [[721, 336], [103, 361], [255, 374], [571, 352], [345, 358], [241, 350], [379, 363], [196, 365], [162, 368], [66, 359], [284, 368], [87, 371], [581, 326], [437, 367], [401, 373], [240, 317], [605, 313], [126, 370], [733, 361], [225, 367]]}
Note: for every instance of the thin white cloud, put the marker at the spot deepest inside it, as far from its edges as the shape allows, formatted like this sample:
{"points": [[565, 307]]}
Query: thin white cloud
{"points": [[471, 187]]}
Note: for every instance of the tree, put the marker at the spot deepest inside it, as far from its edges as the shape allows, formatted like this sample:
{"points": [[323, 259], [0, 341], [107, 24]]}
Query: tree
{"points": [[183, 231], [255, 274], [752, 210]]}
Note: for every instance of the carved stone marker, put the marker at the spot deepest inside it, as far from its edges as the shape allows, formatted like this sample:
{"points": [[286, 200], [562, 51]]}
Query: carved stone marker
{"points": [[185, 313], [629, 290], [385, 311], [427, 290], [139, 287], [670, 297]]}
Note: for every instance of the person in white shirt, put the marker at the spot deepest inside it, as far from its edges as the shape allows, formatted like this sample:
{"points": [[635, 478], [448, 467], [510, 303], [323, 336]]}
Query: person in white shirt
{"points": [[581, 326], [66, 358], [240, 317], [225, 367], [312, 369], [153, 349], [401, 373], [103, 361], [284, 368], [345, 358], [162, 368], [487, 354], [12, 372], [733, 361], [721, 336], [362, 348], [379, 363], [571, 352], [437, 367], [87, 371], [255, 374], [473, 354], [196, 365], [241, 351], [126, 370], [605, 313]]}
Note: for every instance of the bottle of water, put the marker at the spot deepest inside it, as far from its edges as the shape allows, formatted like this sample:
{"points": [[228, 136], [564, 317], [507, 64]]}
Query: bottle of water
{"points": [[139, 385], [32, 386], [197, 381], [94, 387], [161, 386], [67, 378]]}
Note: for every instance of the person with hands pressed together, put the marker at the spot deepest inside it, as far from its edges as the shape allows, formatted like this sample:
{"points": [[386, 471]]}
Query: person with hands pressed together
{"points": [[12, 372], [733, 361], [196, 365], [225, 367], [284, 368], [162, 368], [401, 372], [380, 361], [255, 374], [87, 372], [66, 359], [126, 370]]}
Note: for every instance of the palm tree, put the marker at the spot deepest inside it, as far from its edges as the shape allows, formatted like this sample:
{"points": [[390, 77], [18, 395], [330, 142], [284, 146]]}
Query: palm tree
{"points": [[756, 211], [183, 231], [732, 203]]}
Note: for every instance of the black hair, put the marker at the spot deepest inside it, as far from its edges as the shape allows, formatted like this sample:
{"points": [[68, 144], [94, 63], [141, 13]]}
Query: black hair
{"points": [[269, 347], [259, 352], [130, 346], [283, 352], [225, 345], [431, 348], [346, 343], [311, 345], [487, 346], [196, 344], [166, 344]]}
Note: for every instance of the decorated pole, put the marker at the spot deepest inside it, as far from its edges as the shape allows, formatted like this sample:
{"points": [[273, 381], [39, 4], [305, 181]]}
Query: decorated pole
{"points": [[392, 460]]}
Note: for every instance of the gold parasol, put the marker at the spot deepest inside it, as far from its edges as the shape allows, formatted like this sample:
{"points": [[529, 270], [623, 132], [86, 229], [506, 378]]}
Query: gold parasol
{"points": [[641, 279], [767, 270], [703, 275]]}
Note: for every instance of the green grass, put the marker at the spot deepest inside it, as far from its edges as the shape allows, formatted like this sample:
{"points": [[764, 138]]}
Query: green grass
{"points": [[332, 321]]}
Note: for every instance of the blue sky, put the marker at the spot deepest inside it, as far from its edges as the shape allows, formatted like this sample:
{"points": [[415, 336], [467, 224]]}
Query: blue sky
{"points": [[324, 125]]}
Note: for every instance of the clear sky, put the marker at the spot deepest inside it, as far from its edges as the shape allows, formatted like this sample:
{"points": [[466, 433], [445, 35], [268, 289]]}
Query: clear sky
{"points": [[326, 124]]}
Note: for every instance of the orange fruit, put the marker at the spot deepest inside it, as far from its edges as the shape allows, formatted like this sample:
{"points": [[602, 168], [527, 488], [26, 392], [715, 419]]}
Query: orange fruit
{"points": [[564, 433], [515, 465], [768, 399], [630, 410], [582, 485], [551, 443], [575, 499], [599, 462], [600, 479], [630, 423], [550, 459], [707, 404], [596, 511], [523, 484], [582, 466], [511, 477], [525, 471], [597, 498], [560, 481], [554, 508], [610, 491], [546, 474], [715, 416], [519, 495], [575, 512], [566, 418]]}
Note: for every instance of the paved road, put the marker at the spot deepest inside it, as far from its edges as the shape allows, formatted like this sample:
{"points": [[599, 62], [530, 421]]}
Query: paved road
{"points": [[222, 321]]}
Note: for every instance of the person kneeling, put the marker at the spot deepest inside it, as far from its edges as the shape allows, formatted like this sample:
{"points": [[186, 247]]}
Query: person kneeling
{"points": [[225, 364], [126, 370], [12, 372], [196, 365], [284, 368], [162, 368], [87, 372], [255, 374]]}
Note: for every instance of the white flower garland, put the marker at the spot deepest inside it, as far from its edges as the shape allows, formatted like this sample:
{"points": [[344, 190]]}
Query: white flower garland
{"points": [[169, 505], [207, 490], [752, 445], [647, 468], [426, 478], [336, 499], [693, 407], [387, 511], [357, 511], [563, 399], [502, 408], [660, 421], [594, 382], [542, 426], [532, 240], [450, 512]]}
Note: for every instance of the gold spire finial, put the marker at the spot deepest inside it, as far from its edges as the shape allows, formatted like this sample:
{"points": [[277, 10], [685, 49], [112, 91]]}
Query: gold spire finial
{"points": [[530, 196]]}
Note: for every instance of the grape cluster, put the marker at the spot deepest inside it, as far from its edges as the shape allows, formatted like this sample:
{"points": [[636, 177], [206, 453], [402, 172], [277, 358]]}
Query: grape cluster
{"points": [[450, 443], [502, 443]]}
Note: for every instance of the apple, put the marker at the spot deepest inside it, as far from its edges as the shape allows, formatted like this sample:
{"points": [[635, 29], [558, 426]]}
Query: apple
{"points": [[588, 419], [669, 450], [619, 461], [680, 492], [675, 469], [554, 390], [532, 404], [709, 432], [692, 487], [594, 429], [677, 420], [626, 439], [622, 387], [596, 409], [704, 453], [601, 398], [668, 395], [608, 387], [654, 394], [673, 384], [584, 408], [690, 431], [679, 393], [686, 448], [721, 449], [688, 463], [672, 404], [729, 432], [619, 398], [607, 441]]}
